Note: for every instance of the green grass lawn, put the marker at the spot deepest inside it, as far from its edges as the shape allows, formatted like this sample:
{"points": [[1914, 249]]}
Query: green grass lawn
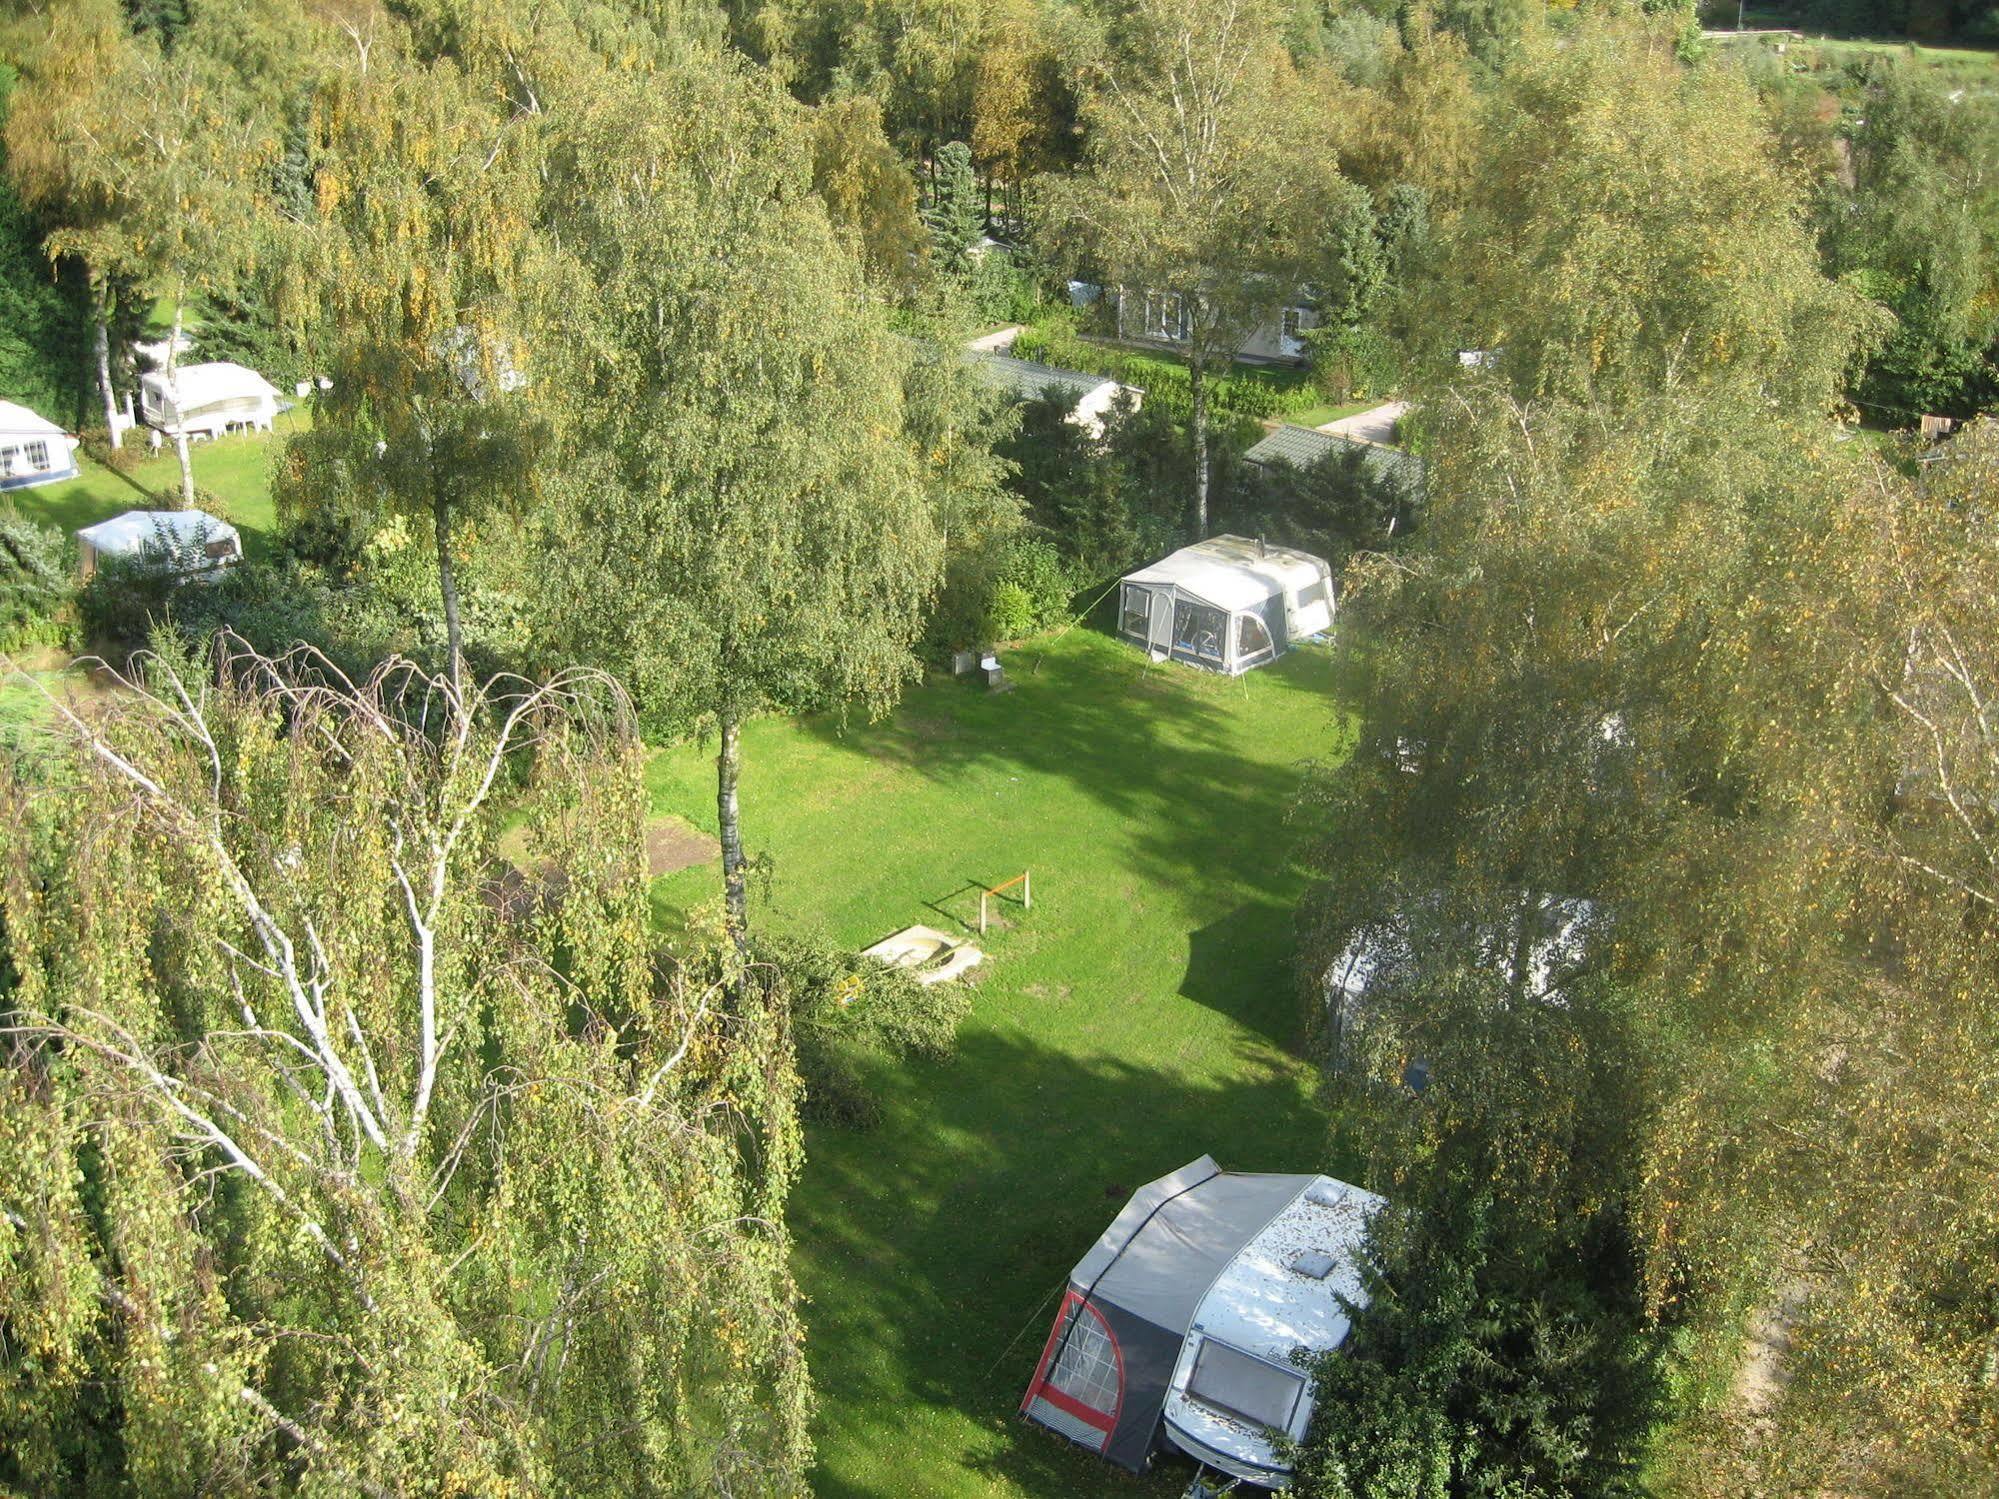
{"points": [[1972, 68], [1140, 1014], [235, 470]]}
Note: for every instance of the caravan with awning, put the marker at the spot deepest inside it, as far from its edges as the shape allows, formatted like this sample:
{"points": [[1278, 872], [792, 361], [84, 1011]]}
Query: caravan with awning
{"points": [[1226, 604], [1180, 1326]]}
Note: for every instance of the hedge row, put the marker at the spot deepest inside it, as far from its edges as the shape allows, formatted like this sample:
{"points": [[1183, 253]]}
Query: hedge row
{"points": [[1265, 394]]}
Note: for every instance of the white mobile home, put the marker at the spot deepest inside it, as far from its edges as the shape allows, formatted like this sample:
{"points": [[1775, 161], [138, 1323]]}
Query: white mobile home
{"points": [[207, 400], [1226, 604], [1165, 319], [33, 449]]}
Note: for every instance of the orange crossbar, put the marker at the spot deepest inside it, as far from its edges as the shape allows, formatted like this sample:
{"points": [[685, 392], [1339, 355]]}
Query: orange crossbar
{"points": [[1026, 895]]}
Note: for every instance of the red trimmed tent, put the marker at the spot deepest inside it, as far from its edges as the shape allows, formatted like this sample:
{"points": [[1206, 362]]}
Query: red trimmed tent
{"points": [[1181, 1320]]}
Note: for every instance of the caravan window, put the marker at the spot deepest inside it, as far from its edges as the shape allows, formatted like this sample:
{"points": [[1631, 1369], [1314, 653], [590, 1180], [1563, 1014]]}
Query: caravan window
{"points": [[10, 461], [1199, 631], [1136, 618], [38, 455], [1165, 316], [1243, 1385]]}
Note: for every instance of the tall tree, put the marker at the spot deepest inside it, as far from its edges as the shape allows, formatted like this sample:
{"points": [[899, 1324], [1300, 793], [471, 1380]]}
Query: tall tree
{"points": [[75, 75], [418, 280], [740, 475], [1919, 229], [1565, 817], [953, 216], [869, 192], [337, 1155], [1205, 177], [159, 161]]}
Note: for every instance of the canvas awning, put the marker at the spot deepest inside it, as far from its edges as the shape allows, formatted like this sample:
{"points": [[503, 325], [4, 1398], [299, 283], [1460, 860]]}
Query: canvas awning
{"points": [[1232, 572]]}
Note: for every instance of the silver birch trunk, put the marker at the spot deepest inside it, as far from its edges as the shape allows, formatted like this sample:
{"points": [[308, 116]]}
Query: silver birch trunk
{"points": [[101, 337], [180, 417], [728, 817]]}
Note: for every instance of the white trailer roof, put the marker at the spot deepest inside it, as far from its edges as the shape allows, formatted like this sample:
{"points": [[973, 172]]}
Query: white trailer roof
{"points": [[1280, 1293], [196, 385], [1233, 572], [129, 535]]}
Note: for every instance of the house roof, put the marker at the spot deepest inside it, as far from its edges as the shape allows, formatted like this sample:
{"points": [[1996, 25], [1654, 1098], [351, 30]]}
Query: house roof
{"points": [[1027, 381], [196, 385], [19, 421], [129, 535], [1233, 572], [1306, 447]]}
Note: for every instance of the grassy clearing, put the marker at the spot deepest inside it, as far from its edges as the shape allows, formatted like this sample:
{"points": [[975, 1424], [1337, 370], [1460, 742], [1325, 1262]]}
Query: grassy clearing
{"points": [[235, 470], [1138, 1015], [1827, 57]]}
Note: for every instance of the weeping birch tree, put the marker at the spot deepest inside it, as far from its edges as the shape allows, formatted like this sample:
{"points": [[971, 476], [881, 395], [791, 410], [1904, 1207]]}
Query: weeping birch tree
{"points": [[75, 70], [337, 1154], [412, 282], [742, 485]]}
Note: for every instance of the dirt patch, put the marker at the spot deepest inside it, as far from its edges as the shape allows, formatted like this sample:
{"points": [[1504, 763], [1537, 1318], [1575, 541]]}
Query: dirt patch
{"points": [[674, 843], [1042, 991]]}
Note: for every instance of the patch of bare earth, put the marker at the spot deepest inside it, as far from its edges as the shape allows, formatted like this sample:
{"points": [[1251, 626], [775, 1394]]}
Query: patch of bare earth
{"points": [[674, 843]]}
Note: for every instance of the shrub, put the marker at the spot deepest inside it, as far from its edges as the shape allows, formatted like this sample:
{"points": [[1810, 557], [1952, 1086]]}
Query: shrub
{"points": [[849, 1014], [1351, 364], [1031, 573], [36, 585], [1002, 290], [1010, 613], [123, 602]]}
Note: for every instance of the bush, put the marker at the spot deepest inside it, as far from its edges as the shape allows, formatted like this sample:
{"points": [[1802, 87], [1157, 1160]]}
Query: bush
{"points": [[1031, 589], [1348, 502], [1001, 290], [36, 583], [849, 1014], [1351, 364], [1010, 613]]}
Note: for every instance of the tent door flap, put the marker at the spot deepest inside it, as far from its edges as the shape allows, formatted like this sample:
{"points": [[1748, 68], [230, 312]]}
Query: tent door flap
{"points": [[1160, 641]]}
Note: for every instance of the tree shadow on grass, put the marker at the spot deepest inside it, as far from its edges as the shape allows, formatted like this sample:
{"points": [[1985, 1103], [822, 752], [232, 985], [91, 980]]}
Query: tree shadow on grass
{"points": [[1163, 747], [937, 1238], [1241, 965]]}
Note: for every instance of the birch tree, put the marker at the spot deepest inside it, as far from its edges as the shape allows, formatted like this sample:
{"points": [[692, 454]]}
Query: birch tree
{"points": [[337, 1153], [1204, 181], [160, 161], [74, 75], [742, 479], [416, 283]]}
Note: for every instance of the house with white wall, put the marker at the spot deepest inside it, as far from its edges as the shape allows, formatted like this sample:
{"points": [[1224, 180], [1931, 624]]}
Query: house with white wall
{"points": [[33, 449]]}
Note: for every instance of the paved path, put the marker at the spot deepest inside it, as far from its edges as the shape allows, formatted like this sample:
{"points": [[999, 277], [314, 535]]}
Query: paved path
{"points": [[1377, 425], [997, 342]]}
